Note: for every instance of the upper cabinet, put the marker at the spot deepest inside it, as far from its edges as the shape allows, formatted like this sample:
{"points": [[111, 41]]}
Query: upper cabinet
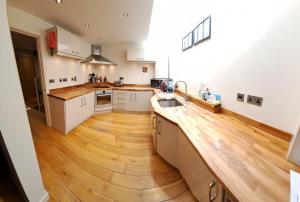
{"points": [[139, 54], [67, 44]]}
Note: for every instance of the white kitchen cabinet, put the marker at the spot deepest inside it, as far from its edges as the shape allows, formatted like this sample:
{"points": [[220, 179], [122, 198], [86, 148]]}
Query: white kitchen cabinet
{"points": [[89, 105], [167, 140], [140, 54], [121, 100], [73, 113], [153, 118], [139, 101], [199, 178], [66, 115], [70, 45]]}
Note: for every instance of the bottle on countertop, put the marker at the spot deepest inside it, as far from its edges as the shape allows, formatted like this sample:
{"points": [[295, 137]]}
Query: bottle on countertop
{"points": [[170, 86], [105, 79], [207, 95], [163, 87], [202, 91]]}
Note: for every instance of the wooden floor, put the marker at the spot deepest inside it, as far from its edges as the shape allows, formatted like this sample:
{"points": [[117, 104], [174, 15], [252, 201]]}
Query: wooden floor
{"points": [[109, 157]]}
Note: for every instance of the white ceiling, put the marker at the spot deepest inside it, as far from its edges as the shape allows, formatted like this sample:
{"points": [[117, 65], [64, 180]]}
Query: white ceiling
{"points": [[104, 16]]}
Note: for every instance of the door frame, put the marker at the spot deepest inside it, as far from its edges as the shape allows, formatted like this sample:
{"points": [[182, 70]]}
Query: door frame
{"points": [[41, 70]]}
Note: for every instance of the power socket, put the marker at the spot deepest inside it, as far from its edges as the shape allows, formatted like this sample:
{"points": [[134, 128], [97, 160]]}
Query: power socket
{"points": [[240, 97], [254, 100]]}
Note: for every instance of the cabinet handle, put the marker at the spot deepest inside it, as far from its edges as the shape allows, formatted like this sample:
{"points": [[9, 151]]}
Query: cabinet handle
{"points": [[84, 101], [153, 125], [212, 196], [81, 102], [158, 127]]}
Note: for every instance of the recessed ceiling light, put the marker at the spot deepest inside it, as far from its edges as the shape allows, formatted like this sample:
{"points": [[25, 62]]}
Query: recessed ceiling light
{"points": [[59, 1], [125, 14], [86, 25]]}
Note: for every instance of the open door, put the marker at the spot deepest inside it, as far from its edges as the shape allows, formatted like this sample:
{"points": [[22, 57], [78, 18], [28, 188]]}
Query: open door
{"points": [[26, 53]]}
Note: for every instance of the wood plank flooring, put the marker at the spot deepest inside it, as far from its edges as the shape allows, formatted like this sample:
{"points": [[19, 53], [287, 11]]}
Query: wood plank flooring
{"points": [[109, 157]]}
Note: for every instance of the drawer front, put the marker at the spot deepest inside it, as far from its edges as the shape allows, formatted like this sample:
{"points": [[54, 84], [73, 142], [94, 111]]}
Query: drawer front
{"points": [[120, 100], [121, 97]]}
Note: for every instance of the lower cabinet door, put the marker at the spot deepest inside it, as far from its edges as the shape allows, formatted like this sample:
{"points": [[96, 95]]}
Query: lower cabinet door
{"points": [[199, 178], [153, 119], [141, 101], [74, 113], [167, 140], [89, 105], [121, 100]]}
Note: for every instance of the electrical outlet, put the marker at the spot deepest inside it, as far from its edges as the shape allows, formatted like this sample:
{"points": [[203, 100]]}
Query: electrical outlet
{"points": [[240, 97], [51, 80], [65, 79], [254, 100]]}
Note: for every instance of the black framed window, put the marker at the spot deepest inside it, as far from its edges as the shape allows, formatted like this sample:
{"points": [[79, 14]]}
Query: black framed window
{"points": [[187, 41]]}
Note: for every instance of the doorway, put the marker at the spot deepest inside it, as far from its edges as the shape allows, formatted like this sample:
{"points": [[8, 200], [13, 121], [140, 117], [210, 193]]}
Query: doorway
{"points": [[27, 59]]}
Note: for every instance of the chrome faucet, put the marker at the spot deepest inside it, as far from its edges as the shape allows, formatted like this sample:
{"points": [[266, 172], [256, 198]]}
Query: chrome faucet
{"points": [[186, 95]]}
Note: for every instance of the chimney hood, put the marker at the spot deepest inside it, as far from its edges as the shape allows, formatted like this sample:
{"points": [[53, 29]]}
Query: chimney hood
{"points": [[96, 58]]}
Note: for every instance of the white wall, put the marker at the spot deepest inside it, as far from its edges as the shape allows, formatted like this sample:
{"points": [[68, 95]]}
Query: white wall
{"points": [[60, 67], [131, 71], [294, 150], [54, 67], [254, 49], [14, 123]]}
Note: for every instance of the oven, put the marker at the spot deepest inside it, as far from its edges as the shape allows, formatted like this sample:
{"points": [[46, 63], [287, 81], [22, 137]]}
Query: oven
{"points": [[103, 100]]}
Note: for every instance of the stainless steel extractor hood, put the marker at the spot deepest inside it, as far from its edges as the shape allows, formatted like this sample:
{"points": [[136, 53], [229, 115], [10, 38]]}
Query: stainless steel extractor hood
{"points": [[96, 58]]}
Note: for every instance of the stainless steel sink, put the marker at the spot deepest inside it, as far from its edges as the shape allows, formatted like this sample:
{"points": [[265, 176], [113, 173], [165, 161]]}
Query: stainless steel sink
{"points": [[169, 102]]}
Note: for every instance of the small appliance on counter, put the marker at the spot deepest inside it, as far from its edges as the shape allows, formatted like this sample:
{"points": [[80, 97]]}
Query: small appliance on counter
{"points": [[119, 83], [156, 82], [92, 77], [163, 87], [97, 79]]}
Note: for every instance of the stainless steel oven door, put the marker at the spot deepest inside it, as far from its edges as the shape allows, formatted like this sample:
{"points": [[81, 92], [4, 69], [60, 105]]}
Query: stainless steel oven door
{"points": [[103, 99]]}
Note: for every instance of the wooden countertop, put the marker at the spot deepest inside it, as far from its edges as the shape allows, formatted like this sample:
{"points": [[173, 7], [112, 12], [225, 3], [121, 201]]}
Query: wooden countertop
{"points": [[132, 88], [249, 162], [76, 91]]}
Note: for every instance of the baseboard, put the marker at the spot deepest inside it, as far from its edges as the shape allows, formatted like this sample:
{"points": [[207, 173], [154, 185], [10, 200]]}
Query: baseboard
{"points": [[262, 126], [45, 198], [130, 112]]}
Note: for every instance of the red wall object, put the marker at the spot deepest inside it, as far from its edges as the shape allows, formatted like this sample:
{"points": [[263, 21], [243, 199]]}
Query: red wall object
{"points": [[51, 41]]}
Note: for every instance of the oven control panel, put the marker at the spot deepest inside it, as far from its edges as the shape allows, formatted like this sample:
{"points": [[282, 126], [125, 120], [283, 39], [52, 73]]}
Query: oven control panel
{"points": [[102, 92]]}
